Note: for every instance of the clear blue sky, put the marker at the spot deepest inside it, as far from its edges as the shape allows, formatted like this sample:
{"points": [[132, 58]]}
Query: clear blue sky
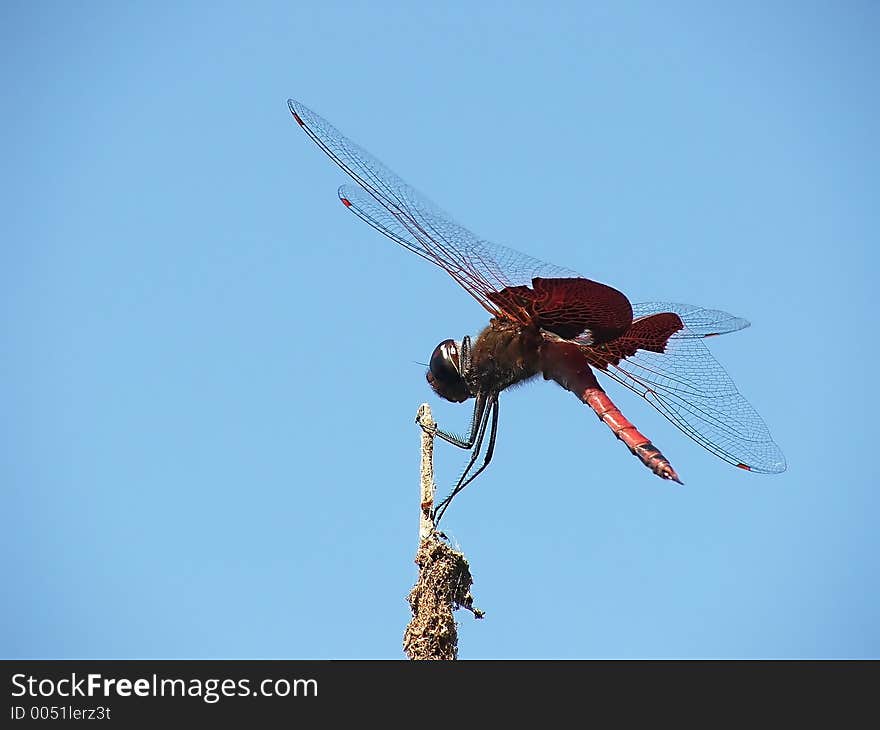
{"points": [[209, 370]]}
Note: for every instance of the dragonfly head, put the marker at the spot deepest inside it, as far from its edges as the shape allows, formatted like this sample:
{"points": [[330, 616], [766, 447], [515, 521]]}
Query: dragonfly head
{"points": [[444, 373]]}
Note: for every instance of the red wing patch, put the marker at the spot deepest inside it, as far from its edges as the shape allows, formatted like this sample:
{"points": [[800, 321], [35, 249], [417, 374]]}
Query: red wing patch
{"points": [[569, 307], [648, 333]]}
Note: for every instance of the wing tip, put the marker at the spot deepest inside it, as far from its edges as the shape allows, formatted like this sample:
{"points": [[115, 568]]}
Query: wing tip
{"points": [[292, 104], [776, 467]]}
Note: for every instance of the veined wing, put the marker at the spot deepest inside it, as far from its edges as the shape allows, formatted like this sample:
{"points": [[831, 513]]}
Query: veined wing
{"points": [[698, 321], [396, 209], [689, 387]]}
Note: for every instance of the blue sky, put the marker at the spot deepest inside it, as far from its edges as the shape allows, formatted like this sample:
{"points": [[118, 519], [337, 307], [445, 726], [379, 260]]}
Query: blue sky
{"points": [[210, 367]]}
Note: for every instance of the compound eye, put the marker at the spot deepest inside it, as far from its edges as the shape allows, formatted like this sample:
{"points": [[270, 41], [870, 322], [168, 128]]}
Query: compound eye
{"points": [[444, 373], [444, 362]]}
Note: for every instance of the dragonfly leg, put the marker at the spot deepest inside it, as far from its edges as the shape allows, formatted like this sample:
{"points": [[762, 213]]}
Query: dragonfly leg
{"points": [[477, 418], [464, 480]]}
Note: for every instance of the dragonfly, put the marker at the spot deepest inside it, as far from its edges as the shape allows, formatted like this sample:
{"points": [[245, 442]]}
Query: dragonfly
{"points": [[551, 322]]}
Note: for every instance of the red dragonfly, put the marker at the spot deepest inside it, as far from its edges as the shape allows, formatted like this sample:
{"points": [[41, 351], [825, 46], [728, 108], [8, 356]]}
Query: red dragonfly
{"points": [[553, 322]]}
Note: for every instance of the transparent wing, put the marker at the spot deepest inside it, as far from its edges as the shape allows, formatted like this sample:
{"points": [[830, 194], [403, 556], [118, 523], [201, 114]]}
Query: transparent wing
{"points": [[688, 386], [698, 321], [393, 207]]}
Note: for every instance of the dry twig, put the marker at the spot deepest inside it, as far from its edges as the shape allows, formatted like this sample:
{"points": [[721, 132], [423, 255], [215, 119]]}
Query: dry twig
{"points": [[444, 579]]}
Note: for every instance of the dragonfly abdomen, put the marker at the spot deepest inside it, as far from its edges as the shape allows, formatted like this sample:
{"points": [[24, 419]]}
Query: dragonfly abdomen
{"points": [[566, 363]]}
